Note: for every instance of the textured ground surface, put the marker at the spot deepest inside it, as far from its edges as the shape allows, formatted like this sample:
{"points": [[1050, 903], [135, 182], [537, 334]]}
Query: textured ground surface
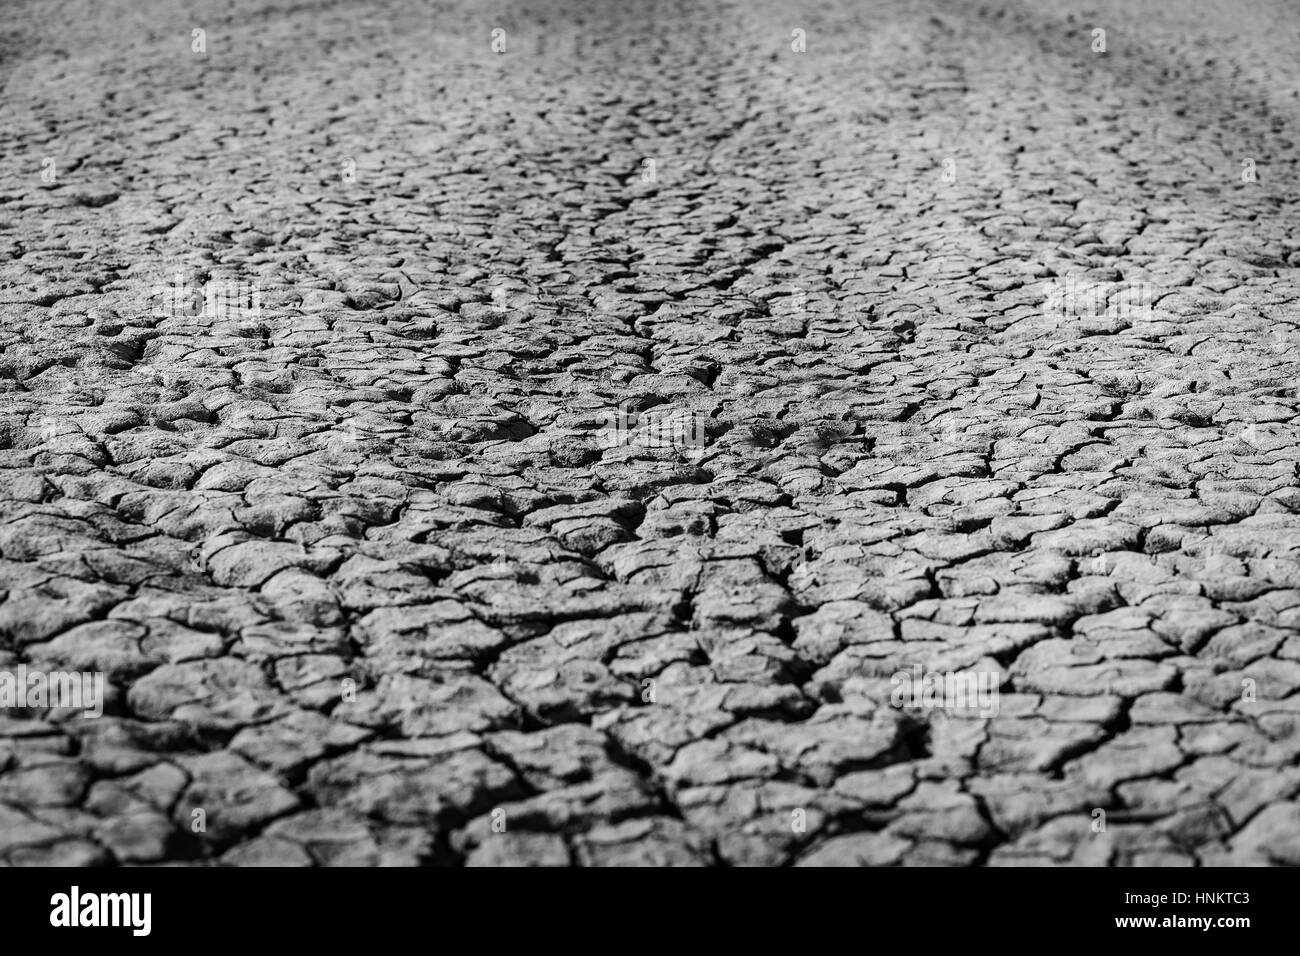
{"points": [[394, 480]]}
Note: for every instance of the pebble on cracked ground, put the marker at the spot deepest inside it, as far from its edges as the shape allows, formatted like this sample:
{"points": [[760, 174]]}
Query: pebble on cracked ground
{"points": [[577, 432]]}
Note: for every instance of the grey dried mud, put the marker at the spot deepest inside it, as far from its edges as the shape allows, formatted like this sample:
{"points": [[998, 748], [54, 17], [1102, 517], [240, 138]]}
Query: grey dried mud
{"points": [[993, 339]]}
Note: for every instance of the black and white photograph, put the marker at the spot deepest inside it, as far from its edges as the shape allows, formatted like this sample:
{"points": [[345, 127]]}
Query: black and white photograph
{"points": [[650, 433]]}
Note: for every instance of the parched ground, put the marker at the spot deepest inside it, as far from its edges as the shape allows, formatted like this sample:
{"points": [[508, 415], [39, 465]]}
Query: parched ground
{"points": [[948, 344]]}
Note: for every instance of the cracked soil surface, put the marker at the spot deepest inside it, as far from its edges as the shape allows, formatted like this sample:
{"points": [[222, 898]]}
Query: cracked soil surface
{"points": [[367, 578]]}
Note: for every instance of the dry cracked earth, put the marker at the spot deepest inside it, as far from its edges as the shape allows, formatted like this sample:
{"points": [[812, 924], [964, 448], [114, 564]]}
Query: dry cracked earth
{"points": [[988, 341]]}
